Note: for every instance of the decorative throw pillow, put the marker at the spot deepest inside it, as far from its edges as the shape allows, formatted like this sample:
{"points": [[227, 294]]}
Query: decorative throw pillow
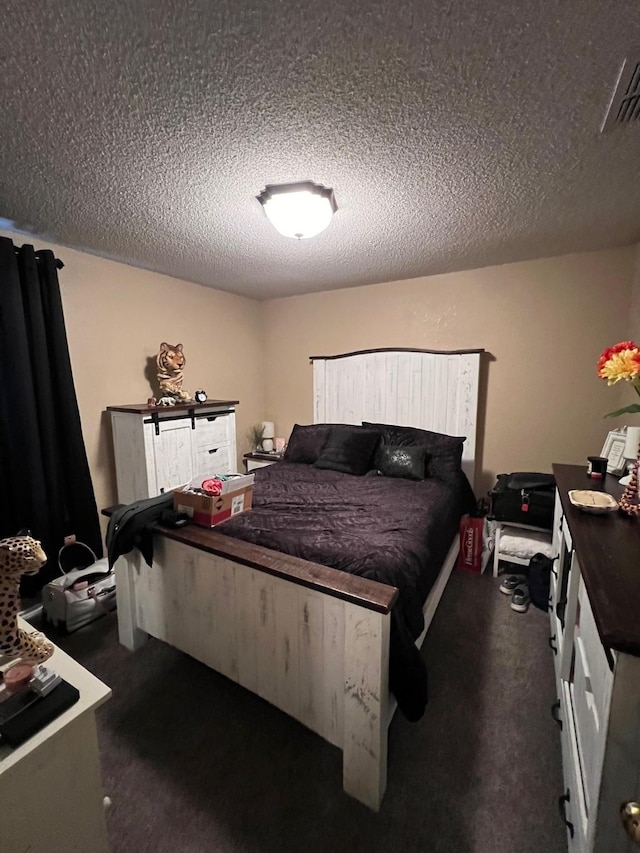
{"points": [[405, 462], [306, 443], [444, 461], [444, 452], [349, 449]]}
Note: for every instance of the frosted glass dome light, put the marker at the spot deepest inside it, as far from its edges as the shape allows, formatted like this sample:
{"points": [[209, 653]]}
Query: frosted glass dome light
{"points": [[299, 210]]}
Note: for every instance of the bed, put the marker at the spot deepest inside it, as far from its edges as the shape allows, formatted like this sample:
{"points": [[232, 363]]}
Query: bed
{"points": [[252, 599]]}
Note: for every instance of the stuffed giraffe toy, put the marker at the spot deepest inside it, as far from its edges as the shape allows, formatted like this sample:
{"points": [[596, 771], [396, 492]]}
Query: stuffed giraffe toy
{"points": [[19, 555]]}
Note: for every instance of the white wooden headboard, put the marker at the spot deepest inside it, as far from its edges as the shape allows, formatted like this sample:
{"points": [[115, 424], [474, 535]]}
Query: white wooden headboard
{"points": [[420, 388]]}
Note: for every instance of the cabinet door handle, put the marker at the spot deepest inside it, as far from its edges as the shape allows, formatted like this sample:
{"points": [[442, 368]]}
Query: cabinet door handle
{"points": [[562, 801], [560, 608], [551, 641], [630, 817], [212, 418], [555, 713], [214, 450]]}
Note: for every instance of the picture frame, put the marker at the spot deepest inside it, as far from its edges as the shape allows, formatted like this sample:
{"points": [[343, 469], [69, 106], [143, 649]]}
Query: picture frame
{"points": [[613, 449]]}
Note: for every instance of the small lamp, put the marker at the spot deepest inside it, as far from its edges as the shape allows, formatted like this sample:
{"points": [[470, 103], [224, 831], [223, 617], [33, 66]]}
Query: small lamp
{"points": [[631, 450], [298, 210], [268, 432]]}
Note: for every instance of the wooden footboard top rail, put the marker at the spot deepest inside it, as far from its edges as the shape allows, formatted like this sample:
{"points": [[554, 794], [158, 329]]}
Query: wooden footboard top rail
{"points": [[366, 593]]}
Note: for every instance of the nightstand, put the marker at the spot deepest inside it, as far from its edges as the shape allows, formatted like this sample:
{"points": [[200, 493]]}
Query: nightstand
{"points": [[260, 460]]}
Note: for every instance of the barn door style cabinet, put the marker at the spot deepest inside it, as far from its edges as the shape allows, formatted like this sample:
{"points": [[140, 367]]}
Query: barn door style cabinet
{"points": [[158, 448], [595, 640]]}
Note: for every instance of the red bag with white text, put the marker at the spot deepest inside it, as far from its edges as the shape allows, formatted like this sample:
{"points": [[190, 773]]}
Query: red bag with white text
{"points": [[470, 556]]}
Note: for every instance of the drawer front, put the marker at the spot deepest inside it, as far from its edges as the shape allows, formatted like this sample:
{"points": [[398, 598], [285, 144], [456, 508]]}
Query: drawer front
{"points": [[214, 460], [567, 803], [558, 519], [600, 674], [252, 464], [575, 808], [211, 430], [566, 533], [556, 637], [590, 734], [552, 606]]}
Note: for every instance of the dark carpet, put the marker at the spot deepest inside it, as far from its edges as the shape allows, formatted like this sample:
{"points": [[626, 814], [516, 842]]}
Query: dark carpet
{"points": [[193, 763]]}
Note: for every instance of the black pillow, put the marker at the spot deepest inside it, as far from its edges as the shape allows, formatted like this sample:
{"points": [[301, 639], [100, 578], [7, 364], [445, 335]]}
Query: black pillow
{"points": [[445, 462], [306, 442], [444, 452], [405, 462], [349, 449]]}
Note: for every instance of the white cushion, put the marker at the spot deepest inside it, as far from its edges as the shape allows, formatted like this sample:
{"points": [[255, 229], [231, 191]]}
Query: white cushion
{"points": [[525, 544]]}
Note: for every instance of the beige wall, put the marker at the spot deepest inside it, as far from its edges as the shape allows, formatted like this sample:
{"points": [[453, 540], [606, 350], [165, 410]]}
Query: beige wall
{"points": [[543, 323], [116, 317]]}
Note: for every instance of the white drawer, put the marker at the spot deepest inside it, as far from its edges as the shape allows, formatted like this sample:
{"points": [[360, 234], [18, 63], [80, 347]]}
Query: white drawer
{"points": [[575, 809], [252, 464], [568, 803], [211, 430], [553, 596], [566, 533], [558, 522], [590, 735], [556, 644], [599, 672], [215, 459]]}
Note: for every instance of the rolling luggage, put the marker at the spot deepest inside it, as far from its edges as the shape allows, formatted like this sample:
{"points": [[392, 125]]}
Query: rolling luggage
{"points": [[524, 497]]}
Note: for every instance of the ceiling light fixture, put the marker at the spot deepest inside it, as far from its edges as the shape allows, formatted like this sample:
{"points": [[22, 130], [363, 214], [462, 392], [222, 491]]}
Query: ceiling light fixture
{"points": [[298, 210]]}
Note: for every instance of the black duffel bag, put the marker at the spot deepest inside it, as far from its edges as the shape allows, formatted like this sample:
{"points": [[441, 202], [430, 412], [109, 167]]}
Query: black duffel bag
{"points": [[540, 580], [524, 497]]}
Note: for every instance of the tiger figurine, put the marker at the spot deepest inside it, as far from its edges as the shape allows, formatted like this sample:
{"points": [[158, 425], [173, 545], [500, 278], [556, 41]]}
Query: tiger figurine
{"points": [[19, 555], [170, 362]]}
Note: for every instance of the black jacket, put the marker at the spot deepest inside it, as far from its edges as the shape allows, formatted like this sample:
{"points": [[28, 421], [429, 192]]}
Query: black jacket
{"points": [[131, 526]]}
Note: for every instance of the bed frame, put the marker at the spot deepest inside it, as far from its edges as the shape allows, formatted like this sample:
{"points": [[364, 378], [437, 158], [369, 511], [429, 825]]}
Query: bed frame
{"points": [[310, 639]]}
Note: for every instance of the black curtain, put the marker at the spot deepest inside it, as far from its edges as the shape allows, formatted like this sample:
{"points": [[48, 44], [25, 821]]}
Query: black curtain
{"points": [[46, 485]]}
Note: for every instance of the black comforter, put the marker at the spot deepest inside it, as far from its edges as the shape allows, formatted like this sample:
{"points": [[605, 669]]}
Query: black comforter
{"points": [[390, 530]]}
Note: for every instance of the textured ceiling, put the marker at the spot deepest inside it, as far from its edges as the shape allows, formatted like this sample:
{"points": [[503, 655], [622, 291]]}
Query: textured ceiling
{"points": [[455, 135]]}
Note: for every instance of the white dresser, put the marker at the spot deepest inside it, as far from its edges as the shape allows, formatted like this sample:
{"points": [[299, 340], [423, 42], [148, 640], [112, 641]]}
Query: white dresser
{"points": [[50, 786], [158, 448], [595, 640]]}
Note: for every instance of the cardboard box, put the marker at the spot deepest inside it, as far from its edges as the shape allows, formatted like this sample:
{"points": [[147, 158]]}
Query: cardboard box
{"points": [[208, 510]]}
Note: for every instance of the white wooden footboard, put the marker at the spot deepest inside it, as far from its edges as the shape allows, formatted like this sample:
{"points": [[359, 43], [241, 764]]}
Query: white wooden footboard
{"points": [[322, 660], [310, 640]]}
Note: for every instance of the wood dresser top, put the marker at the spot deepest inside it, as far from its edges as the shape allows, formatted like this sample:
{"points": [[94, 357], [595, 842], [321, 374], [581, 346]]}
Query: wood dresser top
{"points": [[608, 548], [143, 409]]}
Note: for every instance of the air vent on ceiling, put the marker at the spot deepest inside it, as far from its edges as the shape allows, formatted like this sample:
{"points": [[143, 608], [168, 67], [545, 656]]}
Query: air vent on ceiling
{"points": [[625, 103]]}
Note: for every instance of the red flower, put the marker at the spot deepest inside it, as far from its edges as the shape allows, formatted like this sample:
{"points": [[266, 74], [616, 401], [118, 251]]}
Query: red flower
{"points": [[624, 367]]}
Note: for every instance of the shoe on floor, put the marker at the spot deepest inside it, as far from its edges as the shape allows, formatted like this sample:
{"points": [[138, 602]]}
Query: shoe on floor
{"points": [[510, 582], [520, 599]]}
